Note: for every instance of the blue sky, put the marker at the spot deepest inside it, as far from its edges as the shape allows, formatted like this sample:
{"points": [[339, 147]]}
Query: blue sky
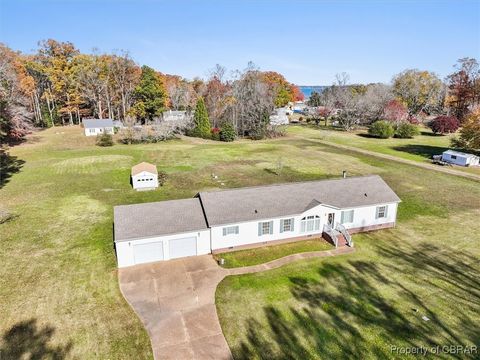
{"points": [[307, 41]]}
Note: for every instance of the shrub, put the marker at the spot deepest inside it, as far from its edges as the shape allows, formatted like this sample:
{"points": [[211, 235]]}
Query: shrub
{"points": [[381, 129], [444, 124], [406, 130], [104, 140], [162, 177], [201, 121], [228, 132], [215, 134]]}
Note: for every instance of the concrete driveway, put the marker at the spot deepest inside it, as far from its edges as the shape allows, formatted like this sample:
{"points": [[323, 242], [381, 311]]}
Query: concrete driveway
{"points": [[175, 300]]}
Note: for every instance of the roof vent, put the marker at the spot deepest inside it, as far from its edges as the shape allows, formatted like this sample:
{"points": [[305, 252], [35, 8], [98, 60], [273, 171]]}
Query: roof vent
{"points": [[256, 211], [365, 195]]}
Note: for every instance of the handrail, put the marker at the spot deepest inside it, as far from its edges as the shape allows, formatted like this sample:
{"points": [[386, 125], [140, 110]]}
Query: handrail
{"points": [[343, 230]]}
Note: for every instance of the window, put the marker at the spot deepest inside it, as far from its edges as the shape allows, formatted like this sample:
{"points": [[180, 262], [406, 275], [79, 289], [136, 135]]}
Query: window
{"points": [[310, 223], [453, 157], [230, 230], [286, 225], [91, 131], [381, 212], [347, 217], [265, 228]]}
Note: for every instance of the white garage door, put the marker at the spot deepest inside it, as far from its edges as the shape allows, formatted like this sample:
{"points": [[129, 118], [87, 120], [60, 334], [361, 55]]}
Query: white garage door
{"points": [[144, 253], [182, 247]]}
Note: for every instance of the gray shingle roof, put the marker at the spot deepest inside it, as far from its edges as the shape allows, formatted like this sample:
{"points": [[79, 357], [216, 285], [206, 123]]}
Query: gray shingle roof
{"points": [[247, 204], [264, 202], [158, 218], [97, 123]]}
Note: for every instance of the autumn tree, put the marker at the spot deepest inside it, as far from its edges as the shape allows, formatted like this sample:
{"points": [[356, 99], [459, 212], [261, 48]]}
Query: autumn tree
{"points": [[470, 132], [16, 90], [395, 112], [216, 92], [57, 60], [150, 95], [419, 91], [463, 87], [444, 124]]}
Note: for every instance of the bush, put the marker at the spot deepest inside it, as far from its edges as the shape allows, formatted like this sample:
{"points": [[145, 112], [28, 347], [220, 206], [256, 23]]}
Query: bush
{"points": [[215, 134], [104, 140], [227, 133], [162, 177], [381, 129], [406, 130], [444, 124]]}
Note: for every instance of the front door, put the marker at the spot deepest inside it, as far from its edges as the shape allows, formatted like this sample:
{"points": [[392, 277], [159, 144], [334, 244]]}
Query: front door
{"points": [[331, 219]]}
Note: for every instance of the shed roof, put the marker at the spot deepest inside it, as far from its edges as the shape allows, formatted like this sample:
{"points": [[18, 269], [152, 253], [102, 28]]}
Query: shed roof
{"points": [[144, 166], [97, 123], [458, 153], [158, 218], [264, 202]]}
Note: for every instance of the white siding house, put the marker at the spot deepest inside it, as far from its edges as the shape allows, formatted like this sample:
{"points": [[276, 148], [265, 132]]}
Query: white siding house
{"points": [[144, 176], [219, 221], [94, 127], [279, 117], [460, 158]]}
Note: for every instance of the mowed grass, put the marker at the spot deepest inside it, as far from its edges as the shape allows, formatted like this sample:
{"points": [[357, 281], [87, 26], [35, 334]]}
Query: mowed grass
{"points": [[265, 254], [421, 148], [360, 305], [59, 290]]}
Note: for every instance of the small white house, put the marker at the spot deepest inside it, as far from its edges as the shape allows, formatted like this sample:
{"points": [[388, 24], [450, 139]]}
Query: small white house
{"points": [[460, 158], [279, 117], [174, 115], [94, 127], [144, 176], [219, 221]]}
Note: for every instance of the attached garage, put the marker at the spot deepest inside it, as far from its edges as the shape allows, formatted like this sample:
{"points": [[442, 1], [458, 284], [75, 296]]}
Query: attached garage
{"points": [[149, 252], [178, 248], [165, 230]]}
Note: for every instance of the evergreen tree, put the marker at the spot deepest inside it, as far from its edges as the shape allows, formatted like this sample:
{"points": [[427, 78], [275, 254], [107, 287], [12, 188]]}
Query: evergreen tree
{"points": [[201, 120], [150, 95]]}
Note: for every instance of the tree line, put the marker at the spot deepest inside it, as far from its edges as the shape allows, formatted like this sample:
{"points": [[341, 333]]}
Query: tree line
{"points": [[413, 96], [59, 85]]}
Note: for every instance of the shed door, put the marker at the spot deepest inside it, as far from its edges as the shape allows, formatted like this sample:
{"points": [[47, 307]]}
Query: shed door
{"points": [[182, 247], [145, 253]]}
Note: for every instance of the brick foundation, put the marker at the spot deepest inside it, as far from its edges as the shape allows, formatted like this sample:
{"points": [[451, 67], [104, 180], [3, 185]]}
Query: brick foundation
{"points": [[371, 228]]}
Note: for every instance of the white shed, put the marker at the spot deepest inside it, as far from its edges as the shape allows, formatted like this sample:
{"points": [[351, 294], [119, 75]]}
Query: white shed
{"points": [[144, 176], [279, 117], [459, 158], [94, 127]]}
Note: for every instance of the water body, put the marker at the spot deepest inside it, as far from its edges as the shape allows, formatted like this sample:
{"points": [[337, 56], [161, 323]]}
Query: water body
{"points": [[307, 90]]}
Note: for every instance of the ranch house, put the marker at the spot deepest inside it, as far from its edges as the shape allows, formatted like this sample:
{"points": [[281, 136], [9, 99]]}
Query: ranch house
{"points": [[226, 220]]}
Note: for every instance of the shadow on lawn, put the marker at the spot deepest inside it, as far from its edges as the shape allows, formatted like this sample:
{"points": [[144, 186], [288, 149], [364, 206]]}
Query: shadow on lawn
{"points": [[426, 151], [344, 310], [9, 165], [26, 340]]}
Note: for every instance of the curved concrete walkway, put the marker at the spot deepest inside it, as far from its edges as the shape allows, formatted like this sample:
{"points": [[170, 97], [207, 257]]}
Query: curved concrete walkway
{"points": [[175, 301]]}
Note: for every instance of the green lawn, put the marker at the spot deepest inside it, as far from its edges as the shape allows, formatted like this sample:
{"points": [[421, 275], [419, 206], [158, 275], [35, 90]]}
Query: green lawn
{"points": [[420, 148], [265, 254], [358, 305], [59, 290]]}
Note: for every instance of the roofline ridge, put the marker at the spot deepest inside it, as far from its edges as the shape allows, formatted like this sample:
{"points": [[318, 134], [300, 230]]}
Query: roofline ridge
{"points": [[288, 183]]}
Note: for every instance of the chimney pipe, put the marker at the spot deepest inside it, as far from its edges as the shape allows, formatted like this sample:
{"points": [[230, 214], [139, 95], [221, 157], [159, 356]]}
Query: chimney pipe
{"points": [[344, 174]]}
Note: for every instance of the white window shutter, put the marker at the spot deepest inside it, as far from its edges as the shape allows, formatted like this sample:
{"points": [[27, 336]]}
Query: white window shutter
{"points": [[292, 224], [224, 231], [271, 227], [259, 229], [386, 211], [281, 225]]}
